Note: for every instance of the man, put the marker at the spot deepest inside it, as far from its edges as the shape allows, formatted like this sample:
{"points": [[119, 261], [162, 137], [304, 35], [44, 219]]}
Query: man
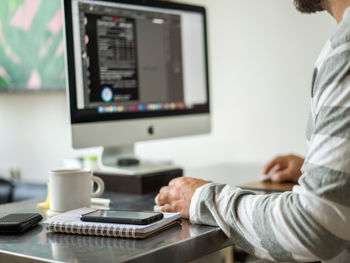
{"points": [[313, 221]]}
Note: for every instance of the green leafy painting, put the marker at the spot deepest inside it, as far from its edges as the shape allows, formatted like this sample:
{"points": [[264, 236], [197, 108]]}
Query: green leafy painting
{"points": [[31, 45]]}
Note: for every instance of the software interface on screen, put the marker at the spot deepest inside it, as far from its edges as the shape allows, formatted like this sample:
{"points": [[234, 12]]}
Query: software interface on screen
{"points": [[137, 58]]}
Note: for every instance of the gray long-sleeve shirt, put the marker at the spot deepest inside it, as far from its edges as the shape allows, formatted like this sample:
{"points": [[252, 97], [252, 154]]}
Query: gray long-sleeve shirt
{"points": [[313, 221]]}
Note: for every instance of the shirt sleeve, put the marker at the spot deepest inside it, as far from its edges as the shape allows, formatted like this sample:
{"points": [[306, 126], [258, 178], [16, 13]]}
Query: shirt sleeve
{"points": [[311, 222]]}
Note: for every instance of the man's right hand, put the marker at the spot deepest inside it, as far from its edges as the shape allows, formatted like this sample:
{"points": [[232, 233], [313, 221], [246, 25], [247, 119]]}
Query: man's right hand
{"points": [[284, 168]]}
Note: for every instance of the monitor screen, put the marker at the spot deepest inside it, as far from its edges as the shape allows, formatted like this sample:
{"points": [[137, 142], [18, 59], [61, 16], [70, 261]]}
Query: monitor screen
{"points": [[136, 59]]}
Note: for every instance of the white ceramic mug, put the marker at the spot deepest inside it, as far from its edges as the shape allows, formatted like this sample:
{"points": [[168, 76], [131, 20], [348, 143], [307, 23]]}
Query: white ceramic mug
{"points": [[71, 189]]}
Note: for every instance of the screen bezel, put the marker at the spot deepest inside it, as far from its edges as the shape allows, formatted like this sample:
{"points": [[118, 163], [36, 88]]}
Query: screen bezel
{"points": [[86, 116]]}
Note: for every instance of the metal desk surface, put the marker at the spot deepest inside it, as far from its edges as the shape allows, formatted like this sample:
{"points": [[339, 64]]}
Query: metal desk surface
{"points": [[178, 244]]}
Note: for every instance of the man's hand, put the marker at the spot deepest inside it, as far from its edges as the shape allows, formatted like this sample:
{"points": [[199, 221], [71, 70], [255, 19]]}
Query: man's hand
{"points": [[284, 168], [178, 195]]}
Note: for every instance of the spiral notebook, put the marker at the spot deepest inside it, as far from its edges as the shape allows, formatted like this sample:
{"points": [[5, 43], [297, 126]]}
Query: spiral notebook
{"points": [[69, 222]]}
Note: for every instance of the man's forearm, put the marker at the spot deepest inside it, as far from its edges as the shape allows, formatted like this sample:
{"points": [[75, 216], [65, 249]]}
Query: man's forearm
{"points": [[209, 205], [274, 227]]}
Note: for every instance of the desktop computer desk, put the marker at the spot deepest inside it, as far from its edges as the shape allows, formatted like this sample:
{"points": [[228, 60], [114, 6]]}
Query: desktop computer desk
{"points": [[178, 244]]}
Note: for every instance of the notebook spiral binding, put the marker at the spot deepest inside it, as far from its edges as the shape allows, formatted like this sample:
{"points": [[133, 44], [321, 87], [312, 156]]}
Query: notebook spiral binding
{"points": [[91, 241], [93, 230]]}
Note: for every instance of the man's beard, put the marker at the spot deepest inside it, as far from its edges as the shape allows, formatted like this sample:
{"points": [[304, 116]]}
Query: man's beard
{"points": [[309, 6]]}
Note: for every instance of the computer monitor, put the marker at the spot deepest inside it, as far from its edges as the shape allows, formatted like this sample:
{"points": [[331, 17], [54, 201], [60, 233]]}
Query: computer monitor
{"points": [[137, 70]]}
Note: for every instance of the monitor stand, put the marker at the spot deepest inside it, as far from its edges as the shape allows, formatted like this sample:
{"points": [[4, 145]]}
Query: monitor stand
{"points": [[121, 160]]}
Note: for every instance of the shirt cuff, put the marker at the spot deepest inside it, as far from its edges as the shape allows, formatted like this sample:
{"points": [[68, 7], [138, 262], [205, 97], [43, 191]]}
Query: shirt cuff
{"points": [[194, 207]]}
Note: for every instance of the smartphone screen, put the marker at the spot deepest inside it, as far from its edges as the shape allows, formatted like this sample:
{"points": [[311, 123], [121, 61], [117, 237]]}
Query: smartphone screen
{"points": [[124, 217]]}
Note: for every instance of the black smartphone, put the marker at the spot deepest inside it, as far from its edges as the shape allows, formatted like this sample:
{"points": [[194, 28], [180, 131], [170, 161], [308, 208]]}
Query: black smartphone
{"points": [[18, 223], [122, 217]]}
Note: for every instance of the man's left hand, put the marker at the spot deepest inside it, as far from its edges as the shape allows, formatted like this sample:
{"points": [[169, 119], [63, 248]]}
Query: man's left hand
{"points": [[177, 196]]}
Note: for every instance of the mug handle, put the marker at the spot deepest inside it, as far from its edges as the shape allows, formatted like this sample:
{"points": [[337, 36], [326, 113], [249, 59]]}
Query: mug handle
{"points": [[100, 188]]}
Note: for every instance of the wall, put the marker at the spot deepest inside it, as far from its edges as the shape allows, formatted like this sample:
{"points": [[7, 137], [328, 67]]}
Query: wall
{"points": [[261, 54]]}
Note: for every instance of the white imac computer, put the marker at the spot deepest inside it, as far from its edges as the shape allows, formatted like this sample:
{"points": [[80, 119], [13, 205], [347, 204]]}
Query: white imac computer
{"points": [[137, 70]]}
